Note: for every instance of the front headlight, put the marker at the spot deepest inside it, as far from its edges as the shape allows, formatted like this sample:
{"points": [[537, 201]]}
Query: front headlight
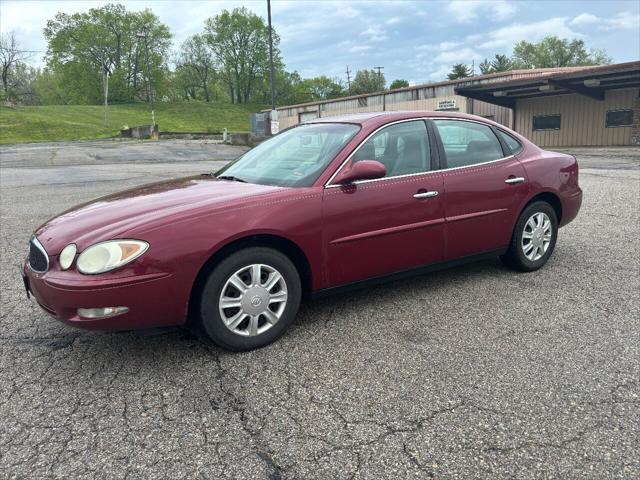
{"points": [[106, 256], [67, 255]]}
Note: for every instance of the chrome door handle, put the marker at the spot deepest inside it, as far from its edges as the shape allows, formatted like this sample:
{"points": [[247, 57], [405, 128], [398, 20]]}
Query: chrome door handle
{"points": [[514, 180], [425, 195]]}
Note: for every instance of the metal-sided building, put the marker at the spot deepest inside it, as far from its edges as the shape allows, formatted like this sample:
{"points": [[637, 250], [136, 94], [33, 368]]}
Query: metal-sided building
{"points": [[590, 106], [567, 106]]}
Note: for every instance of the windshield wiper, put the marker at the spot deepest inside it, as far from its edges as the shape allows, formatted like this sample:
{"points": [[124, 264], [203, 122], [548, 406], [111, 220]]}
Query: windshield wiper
{"points": [[230, 177]]}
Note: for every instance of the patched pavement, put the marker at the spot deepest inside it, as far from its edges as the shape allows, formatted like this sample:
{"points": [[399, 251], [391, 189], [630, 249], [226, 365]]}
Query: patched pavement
{"points": [[472, 372]]}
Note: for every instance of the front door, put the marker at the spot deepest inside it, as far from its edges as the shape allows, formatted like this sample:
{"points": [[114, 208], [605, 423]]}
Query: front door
{"points": [[387, 225], [484, 185]]}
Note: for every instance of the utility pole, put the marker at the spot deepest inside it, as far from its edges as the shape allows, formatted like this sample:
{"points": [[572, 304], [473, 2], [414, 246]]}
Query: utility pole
{"points": [[379, 69], [105, 85], [273, 98], [149, 89], [348, 80]]}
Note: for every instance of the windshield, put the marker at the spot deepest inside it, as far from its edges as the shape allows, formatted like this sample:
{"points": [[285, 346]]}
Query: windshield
{"points": [[294, 158]]}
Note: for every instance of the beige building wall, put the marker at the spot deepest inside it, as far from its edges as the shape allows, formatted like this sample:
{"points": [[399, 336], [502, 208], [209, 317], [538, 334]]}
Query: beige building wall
{"points": [[289, 116], [582, 120]]}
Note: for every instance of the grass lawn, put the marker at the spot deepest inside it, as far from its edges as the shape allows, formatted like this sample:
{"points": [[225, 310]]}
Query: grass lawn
{"points": [[85, 122]]}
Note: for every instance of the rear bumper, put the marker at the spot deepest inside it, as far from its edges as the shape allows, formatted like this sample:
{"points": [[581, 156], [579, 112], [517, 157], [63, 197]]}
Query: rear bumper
{"points": [[151, 299], [571, 204]]}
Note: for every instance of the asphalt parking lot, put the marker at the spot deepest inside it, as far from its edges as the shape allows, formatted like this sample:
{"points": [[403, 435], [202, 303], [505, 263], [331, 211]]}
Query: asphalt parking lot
{"points": [[475, 372]]}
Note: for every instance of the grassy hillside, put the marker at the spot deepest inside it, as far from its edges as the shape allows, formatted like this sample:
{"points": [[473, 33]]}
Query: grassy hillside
{"points": [[84, 122]]}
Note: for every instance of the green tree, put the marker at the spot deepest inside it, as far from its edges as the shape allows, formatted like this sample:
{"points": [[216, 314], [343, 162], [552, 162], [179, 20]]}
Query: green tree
{"points": [[500, 63], [102, 49], [240, 42], [459, 70], [13, 70], [485, 67], [196, 66], [321, 88], [367, 81], [399, 83], [556, 52]]}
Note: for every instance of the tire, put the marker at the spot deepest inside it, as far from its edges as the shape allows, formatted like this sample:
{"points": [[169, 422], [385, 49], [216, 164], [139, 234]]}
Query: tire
{"points": [[528, 254], [249, 319]]}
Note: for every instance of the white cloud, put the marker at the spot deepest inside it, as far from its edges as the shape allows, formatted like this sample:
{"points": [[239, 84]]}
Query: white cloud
{"points": [[463, 55], [360, 48], [584, 19], [393, 20], [438, 46], [466, 11], [375, 34], [506, 37], [621, 21]]}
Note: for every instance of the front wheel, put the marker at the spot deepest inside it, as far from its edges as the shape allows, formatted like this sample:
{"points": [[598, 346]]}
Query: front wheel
{"points": [[534, 238], [250, 299]]}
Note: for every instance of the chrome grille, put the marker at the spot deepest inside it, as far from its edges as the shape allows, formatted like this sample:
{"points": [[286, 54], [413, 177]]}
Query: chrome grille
{"points": [[38, 258]]}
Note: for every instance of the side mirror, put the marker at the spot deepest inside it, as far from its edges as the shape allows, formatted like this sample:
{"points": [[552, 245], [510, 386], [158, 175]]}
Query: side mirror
{"points": [[361, 170]]}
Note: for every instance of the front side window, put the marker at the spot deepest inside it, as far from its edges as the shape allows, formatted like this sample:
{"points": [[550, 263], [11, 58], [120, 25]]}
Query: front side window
{"points": [[294, 158], [467, 143], [402, 148]]}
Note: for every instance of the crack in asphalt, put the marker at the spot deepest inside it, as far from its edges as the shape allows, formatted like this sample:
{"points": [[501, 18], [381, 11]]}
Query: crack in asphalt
{"points": [[477, 372]]}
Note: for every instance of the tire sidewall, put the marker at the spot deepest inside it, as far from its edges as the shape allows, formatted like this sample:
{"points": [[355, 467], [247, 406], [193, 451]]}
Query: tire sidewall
{"points": [[536, 207], [210, 318]]}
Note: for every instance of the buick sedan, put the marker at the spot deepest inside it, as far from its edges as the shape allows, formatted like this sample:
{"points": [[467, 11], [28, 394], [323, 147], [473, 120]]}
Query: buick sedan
{"points": [[330, 204]]}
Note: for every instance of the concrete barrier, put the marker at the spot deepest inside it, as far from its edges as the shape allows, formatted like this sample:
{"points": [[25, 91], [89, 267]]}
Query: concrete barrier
{"points": [[141, 131]]}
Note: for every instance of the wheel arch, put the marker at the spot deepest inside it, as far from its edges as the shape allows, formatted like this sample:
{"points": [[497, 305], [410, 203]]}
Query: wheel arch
{"points": [[276, 242], [549, 197]]}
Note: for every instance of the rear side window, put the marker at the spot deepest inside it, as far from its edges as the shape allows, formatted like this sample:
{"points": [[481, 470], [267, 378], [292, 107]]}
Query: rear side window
{"points": [[514, 145], [468, 143], [402, 148]]}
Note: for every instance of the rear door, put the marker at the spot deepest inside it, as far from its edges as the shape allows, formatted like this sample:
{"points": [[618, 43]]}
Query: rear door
{"points": [[377, 227], [484, 185]]}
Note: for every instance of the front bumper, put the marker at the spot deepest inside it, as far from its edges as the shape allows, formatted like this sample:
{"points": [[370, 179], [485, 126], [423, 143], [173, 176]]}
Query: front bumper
{"points": [[150, 298]]}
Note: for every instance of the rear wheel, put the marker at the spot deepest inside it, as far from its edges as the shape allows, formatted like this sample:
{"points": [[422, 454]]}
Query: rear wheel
{"points": [[250, 299], [534, 238]]}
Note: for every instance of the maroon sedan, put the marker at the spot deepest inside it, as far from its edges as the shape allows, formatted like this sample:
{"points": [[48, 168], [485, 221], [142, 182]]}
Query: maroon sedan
{"points": [[326, 205]]}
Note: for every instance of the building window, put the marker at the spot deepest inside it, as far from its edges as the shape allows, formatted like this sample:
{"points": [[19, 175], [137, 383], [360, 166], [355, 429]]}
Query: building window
{"points": [[362, 102], [414, 95], [619, 118], [546, 122]]}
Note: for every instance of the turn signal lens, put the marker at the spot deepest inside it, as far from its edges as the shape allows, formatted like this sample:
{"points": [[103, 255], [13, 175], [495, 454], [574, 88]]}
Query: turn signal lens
{"points": [[107, 256], [67, 255]]}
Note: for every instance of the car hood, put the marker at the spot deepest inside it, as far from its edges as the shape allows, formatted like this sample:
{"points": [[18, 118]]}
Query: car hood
{"points": [[143, 208]]}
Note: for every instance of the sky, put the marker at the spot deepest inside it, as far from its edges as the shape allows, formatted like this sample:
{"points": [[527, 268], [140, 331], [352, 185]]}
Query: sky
{"points": [[414, 40]]}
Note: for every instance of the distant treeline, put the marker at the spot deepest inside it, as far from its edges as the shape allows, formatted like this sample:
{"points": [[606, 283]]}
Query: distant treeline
{"points": [[129, 57]]}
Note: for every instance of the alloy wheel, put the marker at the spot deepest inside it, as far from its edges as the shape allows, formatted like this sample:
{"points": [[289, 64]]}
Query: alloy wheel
{"points": [[537, 235], [253, 299]]}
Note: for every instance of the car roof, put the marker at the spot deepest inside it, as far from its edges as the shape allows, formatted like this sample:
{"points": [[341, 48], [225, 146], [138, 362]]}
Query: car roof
{"points": [[378, 118]]}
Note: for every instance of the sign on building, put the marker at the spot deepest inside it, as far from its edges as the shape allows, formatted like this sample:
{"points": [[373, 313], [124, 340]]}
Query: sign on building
{"points": [[447, 104]]}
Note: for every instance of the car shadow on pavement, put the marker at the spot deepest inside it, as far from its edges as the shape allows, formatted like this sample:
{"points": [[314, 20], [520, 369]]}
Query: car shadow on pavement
{"points": [[137, 344]]}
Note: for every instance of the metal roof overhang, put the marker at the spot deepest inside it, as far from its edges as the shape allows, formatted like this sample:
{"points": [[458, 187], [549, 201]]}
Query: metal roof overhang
{"points": [[591, 82]]}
